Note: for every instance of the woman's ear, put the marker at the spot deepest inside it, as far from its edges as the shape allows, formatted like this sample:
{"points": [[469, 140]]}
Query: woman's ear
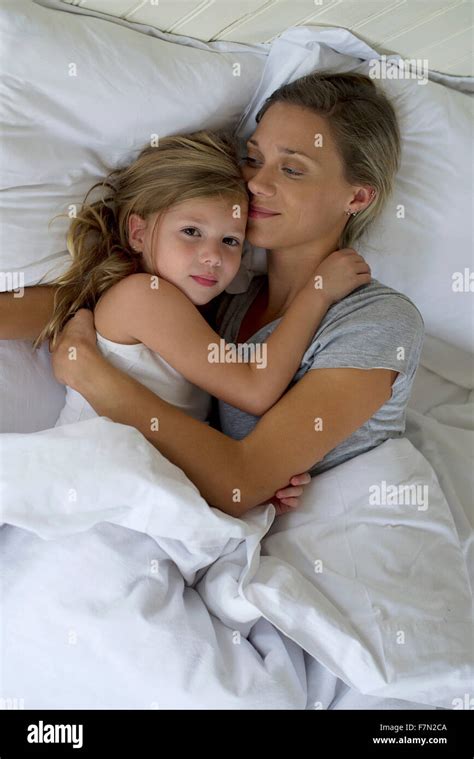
{"points": [[363, 197], [136, 232]]}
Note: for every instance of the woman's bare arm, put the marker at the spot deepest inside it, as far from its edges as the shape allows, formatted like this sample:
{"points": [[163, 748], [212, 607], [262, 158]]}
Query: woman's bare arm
{"points": [[232, 475], [24, 318]]}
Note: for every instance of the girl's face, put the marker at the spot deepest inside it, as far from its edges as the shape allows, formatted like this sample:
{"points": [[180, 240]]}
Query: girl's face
{"points": [[307, 193], [197, 244]]}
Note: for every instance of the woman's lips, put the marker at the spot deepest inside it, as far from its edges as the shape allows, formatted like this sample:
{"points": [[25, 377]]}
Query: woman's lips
{"points": [[204, 281], [260, 213]]}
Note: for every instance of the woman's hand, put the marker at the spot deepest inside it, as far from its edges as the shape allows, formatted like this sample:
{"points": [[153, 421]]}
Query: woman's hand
{"points": [[341, 272], [74, 347], [287, 499]]}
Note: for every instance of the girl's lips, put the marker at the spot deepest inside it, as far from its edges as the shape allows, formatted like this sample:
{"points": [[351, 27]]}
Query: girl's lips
{"points": [[255, 214], [204, 281]]}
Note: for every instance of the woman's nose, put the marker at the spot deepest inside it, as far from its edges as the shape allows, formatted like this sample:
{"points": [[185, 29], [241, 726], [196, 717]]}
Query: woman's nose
{"points": [[261, 183]]}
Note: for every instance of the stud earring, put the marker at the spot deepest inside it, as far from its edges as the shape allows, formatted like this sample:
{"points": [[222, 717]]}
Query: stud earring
{"points": [[354, 213]]}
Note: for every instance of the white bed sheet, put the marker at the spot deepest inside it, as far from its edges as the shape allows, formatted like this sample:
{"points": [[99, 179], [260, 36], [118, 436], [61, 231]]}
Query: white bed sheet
{"points": [[57, 588], [440, 423]]}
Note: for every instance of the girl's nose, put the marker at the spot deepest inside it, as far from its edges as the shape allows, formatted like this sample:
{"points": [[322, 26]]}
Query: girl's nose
{"points": [[210, 254]]}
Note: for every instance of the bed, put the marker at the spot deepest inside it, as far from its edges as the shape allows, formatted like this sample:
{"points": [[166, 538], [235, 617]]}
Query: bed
{"points": [[111, 603]]}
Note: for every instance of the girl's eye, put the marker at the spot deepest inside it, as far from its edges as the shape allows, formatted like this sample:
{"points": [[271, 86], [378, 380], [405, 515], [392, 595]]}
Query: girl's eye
{"points": [[233, 242], [186, 231]]}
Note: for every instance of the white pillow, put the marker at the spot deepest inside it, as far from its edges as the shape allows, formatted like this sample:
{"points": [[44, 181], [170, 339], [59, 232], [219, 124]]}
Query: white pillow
{"points": [[30, 397], [424, 254]]}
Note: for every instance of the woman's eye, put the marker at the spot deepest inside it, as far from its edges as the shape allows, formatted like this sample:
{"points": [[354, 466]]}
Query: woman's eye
{"points": [[286, 169], [232, 241], [187, 230], [292, 172], [249, 160]]}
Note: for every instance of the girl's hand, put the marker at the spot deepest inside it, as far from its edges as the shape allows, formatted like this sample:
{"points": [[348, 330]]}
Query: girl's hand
{"points": [[287, 499], [76, 343], [341, 272]]}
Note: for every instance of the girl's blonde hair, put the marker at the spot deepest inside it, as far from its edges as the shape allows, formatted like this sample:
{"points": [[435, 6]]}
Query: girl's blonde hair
{"points": [[203, 164], [364, 126]]}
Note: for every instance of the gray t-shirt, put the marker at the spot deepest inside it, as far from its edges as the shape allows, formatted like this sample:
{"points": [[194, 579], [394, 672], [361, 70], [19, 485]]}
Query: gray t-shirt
{"points": [[374, 327]]}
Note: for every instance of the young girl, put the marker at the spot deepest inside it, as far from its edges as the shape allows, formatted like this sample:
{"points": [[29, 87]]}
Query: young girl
{"points": [[148, 260]]}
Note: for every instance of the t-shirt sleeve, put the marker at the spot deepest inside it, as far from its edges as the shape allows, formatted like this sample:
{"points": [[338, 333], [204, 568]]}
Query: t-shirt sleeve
{"points": [[376, 329]]}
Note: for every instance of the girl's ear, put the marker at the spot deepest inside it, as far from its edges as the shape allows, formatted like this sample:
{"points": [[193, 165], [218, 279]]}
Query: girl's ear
{"points": [[136, 232]]}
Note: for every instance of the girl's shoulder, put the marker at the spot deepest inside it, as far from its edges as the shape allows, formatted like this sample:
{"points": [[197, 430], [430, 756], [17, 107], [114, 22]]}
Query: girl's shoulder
{"points": [[132, 297], [110, 311]]}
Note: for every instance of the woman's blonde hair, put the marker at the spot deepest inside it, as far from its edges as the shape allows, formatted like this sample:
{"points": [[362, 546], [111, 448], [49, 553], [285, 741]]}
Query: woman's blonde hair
{"points": [[203, 164], [364, 126]]}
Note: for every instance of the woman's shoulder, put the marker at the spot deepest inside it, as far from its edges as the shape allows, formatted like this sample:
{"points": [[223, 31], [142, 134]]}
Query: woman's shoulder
{"points": [[378, 303], [375, 326]]}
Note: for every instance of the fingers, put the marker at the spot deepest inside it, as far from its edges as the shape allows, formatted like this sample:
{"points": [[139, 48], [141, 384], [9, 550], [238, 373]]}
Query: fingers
{"points": [[287, 499], [361, 267], [80, 327], [301, 479], [83, 318], [289, 492], [294, 488], [350, 253], [282, 508], [292, 502]]}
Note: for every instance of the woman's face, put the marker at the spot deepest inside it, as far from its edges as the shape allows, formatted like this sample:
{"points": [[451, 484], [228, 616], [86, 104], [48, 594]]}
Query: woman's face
{"points": [[308, 193]]}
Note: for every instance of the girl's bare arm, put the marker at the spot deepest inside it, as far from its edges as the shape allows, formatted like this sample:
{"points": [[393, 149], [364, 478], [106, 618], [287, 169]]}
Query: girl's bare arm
{"points": [[24, 318], [167, 322]]}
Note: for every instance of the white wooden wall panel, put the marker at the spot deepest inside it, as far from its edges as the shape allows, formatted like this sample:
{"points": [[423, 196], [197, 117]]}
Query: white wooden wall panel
{"points": [[208, 22], [350, 13], [439, 30], [435, 30], [271, 19]]}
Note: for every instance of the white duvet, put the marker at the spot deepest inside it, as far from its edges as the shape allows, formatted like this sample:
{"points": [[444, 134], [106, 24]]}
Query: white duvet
{"points": [[122, 589]]}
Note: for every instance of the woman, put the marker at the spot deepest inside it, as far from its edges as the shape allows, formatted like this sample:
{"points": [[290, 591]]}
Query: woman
{"points": [[320, 166]]}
